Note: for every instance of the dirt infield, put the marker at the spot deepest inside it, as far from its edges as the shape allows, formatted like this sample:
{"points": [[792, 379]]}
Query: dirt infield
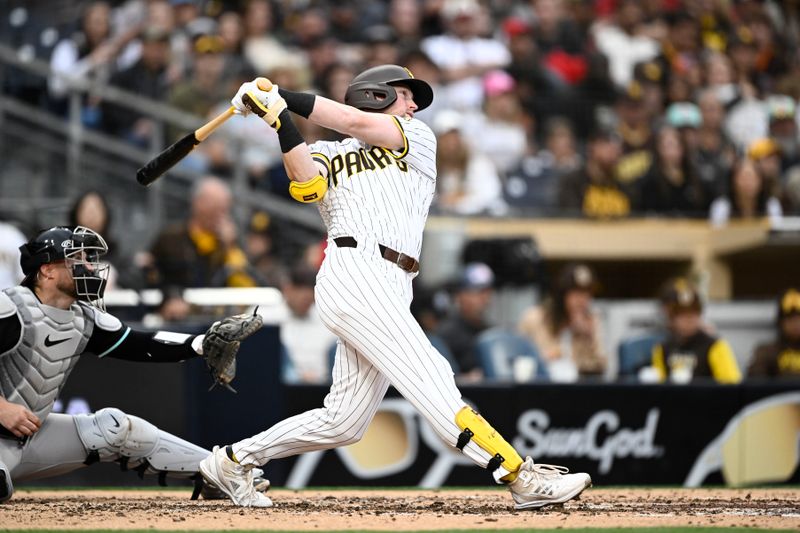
{"points": [[401, 510]]}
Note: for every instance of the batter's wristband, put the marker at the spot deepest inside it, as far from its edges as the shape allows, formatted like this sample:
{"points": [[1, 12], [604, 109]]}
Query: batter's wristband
{"points": [[288, 135], [300, 103]]}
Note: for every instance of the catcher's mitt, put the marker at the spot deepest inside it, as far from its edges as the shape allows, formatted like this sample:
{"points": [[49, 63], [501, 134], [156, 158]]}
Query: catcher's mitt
{"points": [[221, 343]]}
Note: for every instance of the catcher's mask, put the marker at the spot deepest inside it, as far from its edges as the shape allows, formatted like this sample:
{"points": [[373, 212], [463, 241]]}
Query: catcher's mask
{"points": [[80, 248], [373, 89]]}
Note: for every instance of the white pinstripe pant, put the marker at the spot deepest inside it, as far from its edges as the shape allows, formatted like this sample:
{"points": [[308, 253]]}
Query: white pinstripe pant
{"points": [[365, 301]]}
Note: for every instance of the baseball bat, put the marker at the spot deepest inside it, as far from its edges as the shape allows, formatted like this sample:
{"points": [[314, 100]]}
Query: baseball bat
{"points": [[169, 157]]}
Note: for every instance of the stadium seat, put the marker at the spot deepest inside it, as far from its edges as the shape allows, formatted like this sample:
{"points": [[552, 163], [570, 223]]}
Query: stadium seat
{"points": [[635, 353], [498, 348]]}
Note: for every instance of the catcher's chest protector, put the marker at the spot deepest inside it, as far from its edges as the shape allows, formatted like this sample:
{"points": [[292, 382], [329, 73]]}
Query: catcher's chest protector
{"points": [[33, 372]]}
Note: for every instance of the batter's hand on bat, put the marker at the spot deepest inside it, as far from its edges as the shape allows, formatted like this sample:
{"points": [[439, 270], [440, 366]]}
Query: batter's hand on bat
{"points": [[254, 97], [18, 420]]}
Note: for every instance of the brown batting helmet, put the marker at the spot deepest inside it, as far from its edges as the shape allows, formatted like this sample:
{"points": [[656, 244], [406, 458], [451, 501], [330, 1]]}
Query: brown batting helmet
{"points": [[373, 89]]}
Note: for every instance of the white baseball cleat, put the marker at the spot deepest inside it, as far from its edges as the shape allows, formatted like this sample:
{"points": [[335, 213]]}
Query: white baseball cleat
{"points": [[233, 479], [539, 485]]}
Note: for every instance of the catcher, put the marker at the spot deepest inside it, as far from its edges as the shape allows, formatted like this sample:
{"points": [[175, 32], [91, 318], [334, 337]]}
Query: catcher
{"points": [[55, 316]]}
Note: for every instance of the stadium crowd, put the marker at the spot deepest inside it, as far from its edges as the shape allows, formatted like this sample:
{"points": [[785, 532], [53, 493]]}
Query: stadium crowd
{"points": [[593, 108]]}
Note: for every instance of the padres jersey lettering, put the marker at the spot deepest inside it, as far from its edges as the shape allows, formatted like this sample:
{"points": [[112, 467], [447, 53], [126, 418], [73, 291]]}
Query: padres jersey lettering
{"points": [[372, 187]]}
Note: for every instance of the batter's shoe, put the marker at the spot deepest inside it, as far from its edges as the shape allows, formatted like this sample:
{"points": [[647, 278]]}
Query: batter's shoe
{"points": [[233, 479], [210, 492], [6, 488], [539, 485]]}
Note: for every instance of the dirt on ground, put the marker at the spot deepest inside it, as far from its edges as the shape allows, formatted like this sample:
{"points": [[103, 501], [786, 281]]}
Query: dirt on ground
{"points": [[401, 510]]}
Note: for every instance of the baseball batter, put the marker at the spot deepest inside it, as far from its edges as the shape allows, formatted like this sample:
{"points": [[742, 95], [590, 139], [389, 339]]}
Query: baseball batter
{"points": [[46, 324], [374, 190]]}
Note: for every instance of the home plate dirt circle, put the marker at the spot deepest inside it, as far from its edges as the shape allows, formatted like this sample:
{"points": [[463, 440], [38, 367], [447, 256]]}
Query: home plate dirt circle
{"points": [[401, 510]]}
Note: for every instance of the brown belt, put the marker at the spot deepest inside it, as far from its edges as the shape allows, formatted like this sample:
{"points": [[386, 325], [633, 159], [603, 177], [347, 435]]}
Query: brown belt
{"points": [[406, 262]]}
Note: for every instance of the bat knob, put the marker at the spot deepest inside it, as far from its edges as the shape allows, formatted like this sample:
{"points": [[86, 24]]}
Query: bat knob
{"points": [[264, 84]]}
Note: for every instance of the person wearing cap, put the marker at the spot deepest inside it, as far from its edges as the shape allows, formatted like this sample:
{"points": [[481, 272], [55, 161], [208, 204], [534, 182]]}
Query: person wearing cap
{"points": [[594, 191], [782, 112], [781, 358], [502, 123], [635, 128], [468, 182], [473, 295], [205, 87], [689, 351], [147, 78], [303, 333], [48, 322], [565, 328], [714, 154], [671, 186], [373, 190]]}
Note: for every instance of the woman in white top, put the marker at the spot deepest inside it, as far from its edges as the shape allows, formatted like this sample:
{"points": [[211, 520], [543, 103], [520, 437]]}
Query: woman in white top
{"points": [[749, 197]]}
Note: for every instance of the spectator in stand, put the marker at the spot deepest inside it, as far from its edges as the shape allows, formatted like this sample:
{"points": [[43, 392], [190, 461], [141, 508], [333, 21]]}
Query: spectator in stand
{"points": [[91, 210], [381, 47], [714, 153], [263, 48], [686, 118], [206, 87], [459, 330], [781, 358], [199, 252], [423, 68], [689, 351], [503, 125], [335, 81], [231, 31], [623, 39], [782, 113], [553, 30], [680, 55], [405, 16], [594, 191], [533, 185], [462, 55], [148, 78], [87, 55], [635, 128], [671, 186], [260, 249], [305, 337], [565, 328], [467, 182], [750, 197]]}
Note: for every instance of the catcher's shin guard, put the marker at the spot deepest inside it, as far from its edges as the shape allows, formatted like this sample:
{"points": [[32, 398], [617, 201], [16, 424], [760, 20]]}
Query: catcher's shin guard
{"points": [[505, 459], [111, 435]]}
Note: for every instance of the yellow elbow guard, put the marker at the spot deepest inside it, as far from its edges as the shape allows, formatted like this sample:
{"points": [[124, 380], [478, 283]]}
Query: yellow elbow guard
{"points": [[309, 191], [475, 427]]}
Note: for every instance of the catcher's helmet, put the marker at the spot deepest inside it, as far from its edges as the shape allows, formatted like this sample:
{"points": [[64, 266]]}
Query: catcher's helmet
{"points": [[364, 90], [81, 247]]}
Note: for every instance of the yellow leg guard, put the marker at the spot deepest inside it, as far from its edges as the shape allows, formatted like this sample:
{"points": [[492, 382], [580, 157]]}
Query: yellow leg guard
{"points": [[475, 427]]}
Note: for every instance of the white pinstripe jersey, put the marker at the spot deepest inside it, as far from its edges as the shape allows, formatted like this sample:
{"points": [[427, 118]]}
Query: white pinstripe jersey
{"points": [[378, 192]]}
